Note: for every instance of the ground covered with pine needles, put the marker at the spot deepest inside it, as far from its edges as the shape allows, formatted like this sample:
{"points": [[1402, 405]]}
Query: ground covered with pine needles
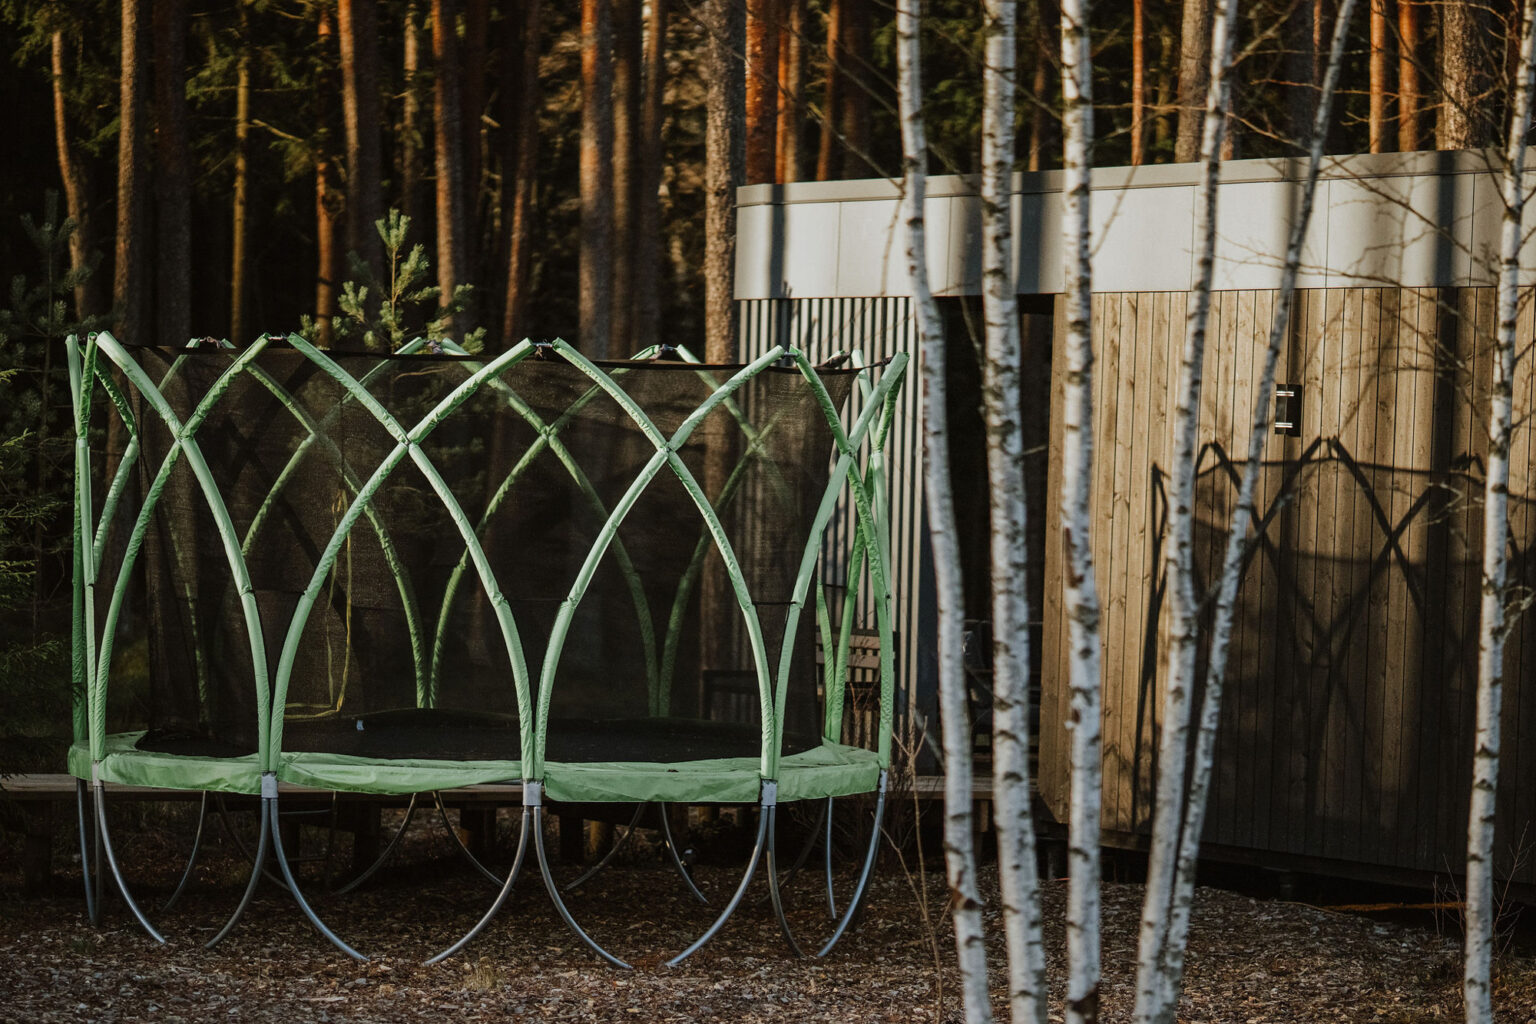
{"points": [[1251, 959]]}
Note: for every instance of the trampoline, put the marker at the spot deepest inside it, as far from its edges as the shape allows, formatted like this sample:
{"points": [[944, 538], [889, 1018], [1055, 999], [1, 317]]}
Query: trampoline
{"points": [[619, 582]]}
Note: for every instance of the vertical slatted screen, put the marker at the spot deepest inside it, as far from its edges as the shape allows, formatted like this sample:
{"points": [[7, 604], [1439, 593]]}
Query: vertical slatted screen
{"points": [[877, 328]]}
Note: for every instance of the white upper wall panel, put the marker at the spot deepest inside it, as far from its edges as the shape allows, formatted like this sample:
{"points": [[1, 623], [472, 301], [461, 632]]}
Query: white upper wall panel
{"points": [[1413, 220]]}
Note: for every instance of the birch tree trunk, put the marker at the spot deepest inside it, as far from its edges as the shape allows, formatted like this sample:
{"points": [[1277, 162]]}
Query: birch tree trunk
{"points": [[1171, 957], [1081, 589], [1493, 629], [1018, 873], [1156, 981], [959, 851]]}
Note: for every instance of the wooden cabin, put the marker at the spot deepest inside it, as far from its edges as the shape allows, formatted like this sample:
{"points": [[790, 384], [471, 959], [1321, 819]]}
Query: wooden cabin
{"points": [[1348, 716]]}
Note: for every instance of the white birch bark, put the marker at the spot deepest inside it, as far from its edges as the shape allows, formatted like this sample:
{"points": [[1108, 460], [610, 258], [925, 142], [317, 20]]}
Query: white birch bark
{"points": [[1172, 956], [959, 849], [1156, 989], [1493, 626], [1018, 872], [1081, 590]]}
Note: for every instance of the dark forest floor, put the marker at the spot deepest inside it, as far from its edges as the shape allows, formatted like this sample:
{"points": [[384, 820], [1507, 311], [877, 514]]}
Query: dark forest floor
{"points": [[1251, 960]]}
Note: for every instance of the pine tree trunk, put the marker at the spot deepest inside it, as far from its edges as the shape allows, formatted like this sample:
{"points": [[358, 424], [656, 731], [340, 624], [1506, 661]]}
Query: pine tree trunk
{"points": [[1138, 82], [1193, 823], [791, 133], [1493, 620], [628, 31], [412, 125], [959, 850], [1194, 61], [77, 188], [173, 180], [762, 90], [520, 97], [724, 157], [596, 281], [1381, 64], [448, 151], [857, 61], [1081, 596], [330, 203], [477, 25], [1018, 873], [1038, 112], [240, 203], [829, 164], [648, 232], [128, 279], [357, 28], [1408, 91], [1458, 126]]}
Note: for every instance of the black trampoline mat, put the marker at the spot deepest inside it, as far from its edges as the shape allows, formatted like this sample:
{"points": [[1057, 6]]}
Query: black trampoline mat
{"points": [[449, 735]]}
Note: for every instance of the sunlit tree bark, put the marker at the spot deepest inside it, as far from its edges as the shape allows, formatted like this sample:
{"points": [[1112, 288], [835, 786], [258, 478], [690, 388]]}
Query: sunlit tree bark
{"points": [[648, 264], [330, 202], [1409, 99], [448, 151], [762, 85], [724, 155], [1194, 70], [791, 133]]}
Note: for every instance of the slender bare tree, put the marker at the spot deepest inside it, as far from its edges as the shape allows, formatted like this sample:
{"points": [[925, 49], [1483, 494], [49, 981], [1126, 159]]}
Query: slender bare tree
{"points": [[330, 203], [959, 851], [1018, 873], [448, 151], [1380, 72], [520, 153], [1494, 613], [1158, 992], [240, 202], [1408, 89], [1194, 59], [1081, 590], [628, 85]]}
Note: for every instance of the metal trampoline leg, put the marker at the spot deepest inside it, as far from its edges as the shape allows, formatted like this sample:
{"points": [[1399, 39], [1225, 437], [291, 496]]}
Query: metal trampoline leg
{"points": [[613, 850], [105, 839], [859, 890], [92, 907], [269, 801], [383, 858], [677, 860], [770, 798], [258, 868], [533, 798], [245, 851], [827, 860], [857, 899], [197, 845], [772, 867], [469, 855], [501, 898]]}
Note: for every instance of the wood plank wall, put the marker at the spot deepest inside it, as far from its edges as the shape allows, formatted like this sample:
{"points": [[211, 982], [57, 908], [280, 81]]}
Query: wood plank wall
{"points": [[1347, 717]]}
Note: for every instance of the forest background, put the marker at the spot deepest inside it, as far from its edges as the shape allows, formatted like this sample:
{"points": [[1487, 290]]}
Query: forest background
{"points": [[175, 169]]}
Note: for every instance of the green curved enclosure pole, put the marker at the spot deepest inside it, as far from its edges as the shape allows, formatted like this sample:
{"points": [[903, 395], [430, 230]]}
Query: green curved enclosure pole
{"points": [[666, 455], [408, 444], [185, 442]]}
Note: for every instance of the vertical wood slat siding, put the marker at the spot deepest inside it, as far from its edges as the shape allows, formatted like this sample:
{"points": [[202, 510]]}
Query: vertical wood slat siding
{"points": [[1353, 666], [878, 328]]}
